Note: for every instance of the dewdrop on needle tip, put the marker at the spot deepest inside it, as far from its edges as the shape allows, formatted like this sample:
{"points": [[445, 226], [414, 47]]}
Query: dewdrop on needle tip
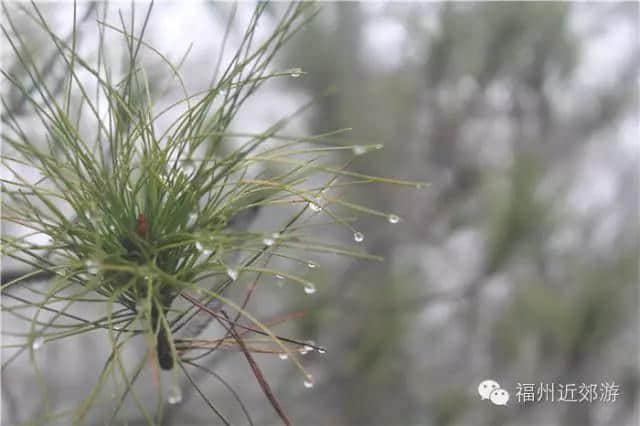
{"points": [[37, 343], [232, 273], [316, 205], [358, 149], [309, 347], [309, 288], [308, 381], [175, 395], [268, 241], [92, 266]]}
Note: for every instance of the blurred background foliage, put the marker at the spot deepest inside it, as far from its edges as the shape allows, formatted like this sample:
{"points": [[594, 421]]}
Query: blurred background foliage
{"points": [[496, 270], [519, 262]]}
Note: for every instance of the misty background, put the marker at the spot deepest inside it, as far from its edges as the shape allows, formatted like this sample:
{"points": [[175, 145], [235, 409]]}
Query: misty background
{"points": [[519, 261]]}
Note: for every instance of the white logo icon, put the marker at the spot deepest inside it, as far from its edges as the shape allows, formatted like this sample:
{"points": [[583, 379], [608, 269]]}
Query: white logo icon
{"points": [[499, 397], [491, 390]]}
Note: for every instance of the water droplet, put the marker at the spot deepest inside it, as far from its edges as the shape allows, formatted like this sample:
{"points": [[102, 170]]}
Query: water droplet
{"points": [[309, 288], [175, 395], [358, 237], [268, 241], [279, 276], [92, 266], [188, 166], [283, 356], [393, 218], [112, 228], [316, 205], [312, 265], [304, 351], [308, 381], [192, 219], [309, 347], [206, 251], [358, 149], [379, 146], [37, 343], [322, 350], [295, 72], [232, 273]]}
